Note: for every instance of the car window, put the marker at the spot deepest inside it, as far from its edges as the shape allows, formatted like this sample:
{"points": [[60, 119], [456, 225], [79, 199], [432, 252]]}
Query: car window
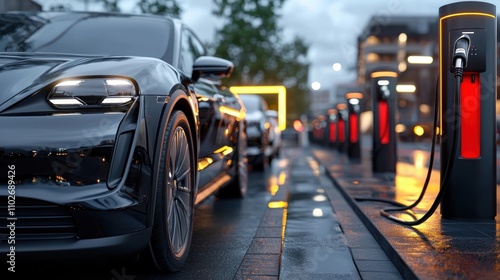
{"points": [[191, 49], [14, 30], [205, 89], [253, 103], [224, 91], [101, 35]]}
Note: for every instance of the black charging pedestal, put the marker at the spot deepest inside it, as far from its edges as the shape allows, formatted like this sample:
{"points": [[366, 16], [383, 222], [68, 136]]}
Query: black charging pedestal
{"points": [[341, 127], [331, 116], [471, 193], [383, 101], [353, 121]]}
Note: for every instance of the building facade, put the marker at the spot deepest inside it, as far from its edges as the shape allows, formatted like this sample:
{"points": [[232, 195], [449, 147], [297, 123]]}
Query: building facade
{"points": [[410, 45]]}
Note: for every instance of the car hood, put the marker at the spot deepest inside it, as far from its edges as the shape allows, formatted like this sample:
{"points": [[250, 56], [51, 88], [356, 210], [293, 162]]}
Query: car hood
{"points": [[25, 73]]}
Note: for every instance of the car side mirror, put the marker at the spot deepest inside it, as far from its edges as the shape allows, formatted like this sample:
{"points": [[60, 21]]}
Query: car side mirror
{"points": [[211, 67]]}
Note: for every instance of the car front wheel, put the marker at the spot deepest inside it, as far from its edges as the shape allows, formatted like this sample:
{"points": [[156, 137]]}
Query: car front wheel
{"points": [[173, 221]]}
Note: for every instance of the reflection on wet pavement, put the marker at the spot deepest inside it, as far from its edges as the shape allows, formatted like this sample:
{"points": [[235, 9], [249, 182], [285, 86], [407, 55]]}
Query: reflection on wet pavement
{"points": [[435, 249]]}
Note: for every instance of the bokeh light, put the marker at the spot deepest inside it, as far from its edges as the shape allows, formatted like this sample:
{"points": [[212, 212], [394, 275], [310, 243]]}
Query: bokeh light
{"points": [[337, 67], [315, 85]]}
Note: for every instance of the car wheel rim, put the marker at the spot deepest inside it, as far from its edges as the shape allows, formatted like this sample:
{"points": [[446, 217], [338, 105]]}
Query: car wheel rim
{"points": [[179, 197]]}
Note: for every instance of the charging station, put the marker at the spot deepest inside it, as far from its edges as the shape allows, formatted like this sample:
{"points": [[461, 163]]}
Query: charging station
{"points": [[353, 131], [468, 46], [323, 134], [383, 101], [341, 126], [319, 125], [332, 127]]}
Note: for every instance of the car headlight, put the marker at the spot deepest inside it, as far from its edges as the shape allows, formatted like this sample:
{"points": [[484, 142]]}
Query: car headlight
{"points": [[93, 92]]}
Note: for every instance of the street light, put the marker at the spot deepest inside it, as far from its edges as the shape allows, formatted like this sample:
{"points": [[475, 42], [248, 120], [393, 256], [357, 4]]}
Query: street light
{"points": [[337, 67], [315, 85], [420, 59]]}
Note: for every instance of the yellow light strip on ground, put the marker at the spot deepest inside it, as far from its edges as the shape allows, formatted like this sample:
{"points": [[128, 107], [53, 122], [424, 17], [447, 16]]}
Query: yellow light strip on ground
{"points": [[280, 90], [282, 178], [274, 189], [277, 204], [283, 226]]}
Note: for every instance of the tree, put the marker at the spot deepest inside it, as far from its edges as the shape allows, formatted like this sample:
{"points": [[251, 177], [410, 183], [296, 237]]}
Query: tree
{"points": [[59, 8], [161, 7], [294, 72], [156, 7], [252, 39], [111, 5]]}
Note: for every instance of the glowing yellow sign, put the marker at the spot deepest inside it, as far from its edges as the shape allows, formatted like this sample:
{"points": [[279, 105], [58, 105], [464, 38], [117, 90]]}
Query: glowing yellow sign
{"points": [[280, 90]]}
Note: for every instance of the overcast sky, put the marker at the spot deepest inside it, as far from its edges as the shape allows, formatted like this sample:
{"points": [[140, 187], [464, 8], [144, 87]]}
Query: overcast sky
{"points": [[329, 27]]}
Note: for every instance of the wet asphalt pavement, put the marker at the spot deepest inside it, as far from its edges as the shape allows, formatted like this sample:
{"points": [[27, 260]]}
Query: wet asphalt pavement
{"points": [[324, 238], [438, 248], [226, 232], [300, 221]]}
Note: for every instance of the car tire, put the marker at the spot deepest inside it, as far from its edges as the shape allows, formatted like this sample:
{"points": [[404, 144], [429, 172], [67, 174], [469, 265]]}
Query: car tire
{"points": [[238, 186], [262, 161], [174, 209], [262, 164], [272, 154]]}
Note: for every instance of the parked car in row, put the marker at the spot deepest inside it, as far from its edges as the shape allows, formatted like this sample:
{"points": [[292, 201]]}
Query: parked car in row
{"points": [[274, 133], [113, 127], [258, 131]]}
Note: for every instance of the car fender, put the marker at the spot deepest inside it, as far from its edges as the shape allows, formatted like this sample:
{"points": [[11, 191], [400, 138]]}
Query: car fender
{"points": [[177, 100]]}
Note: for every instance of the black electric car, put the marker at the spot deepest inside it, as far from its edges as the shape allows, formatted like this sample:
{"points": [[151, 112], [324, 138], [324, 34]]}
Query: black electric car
{"points": [[112, 130]]}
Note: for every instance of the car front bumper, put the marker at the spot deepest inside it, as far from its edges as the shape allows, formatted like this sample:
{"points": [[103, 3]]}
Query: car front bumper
{"points": [[73, 183]]}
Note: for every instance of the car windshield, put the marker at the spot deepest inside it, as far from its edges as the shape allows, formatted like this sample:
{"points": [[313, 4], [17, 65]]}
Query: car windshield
{"points": [[252, 103], [102, 35]]}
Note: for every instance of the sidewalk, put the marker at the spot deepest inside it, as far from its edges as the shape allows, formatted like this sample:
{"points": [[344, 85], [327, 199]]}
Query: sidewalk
{"points": [[324, 238], [436, 249]]}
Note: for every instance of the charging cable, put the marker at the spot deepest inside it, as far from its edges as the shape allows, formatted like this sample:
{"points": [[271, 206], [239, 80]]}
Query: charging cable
{"points": [[459, 61]]}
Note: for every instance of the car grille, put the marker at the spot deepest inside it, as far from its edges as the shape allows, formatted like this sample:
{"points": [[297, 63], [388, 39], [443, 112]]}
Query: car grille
{"points": [[36, 219]]}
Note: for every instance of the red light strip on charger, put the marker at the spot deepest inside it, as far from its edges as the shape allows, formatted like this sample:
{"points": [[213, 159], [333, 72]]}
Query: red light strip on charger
{"points": [[470, 116], [383, 121]]}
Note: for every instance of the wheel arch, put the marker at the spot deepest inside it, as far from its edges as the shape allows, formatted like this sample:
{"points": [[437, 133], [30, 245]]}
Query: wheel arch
{"points": [[177, 100]]}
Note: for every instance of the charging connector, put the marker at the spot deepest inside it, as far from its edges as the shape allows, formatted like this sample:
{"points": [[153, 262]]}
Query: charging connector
{"points": [[460, 55]]}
